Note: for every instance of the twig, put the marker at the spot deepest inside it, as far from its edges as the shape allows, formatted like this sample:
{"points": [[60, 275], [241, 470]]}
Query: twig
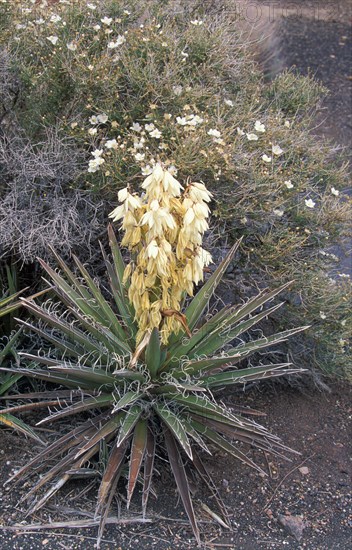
{"points": [[222, 545], [78, 524], [283, 479]]}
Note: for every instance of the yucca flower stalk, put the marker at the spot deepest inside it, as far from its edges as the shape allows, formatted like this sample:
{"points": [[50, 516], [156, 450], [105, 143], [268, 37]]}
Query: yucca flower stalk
{"points": [[163, 230], [136, 375]]}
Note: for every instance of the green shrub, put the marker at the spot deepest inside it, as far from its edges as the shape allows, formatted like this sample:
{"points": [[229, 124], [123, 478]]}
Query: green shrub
{"points": [[179, 61]]}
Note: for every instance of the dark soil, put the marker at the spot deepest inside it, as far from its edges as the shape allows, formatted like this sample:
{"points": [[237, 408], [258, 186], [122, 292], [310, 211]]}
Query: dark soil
{"points": [[312, 491]]}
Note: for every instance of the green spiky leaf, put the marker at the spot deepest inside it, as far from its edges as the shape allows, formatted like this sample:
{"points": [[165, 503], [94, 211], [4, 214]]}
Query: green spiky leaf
{"points": [[153, 353]]}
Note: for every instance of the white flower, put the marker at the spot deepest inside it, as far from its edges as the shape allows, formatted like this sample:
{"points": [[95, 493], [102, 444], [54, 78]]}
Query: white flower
{"points": [[177, 90], [309, 203], [265, 158], [335, 192], [228, 102], [193, 120], [93, 119], [40, 21], [136, 127], [276, 149], [259, 127], [111, 144], [182, 120], [240, 131], [55, 18], [322, 315], [288, 184], [155, 133], [196, 22], [92, 131], [149, 127], [53, 39], [97, 27], [91, 7], [139, 144], [139, 157], [126, 12], [97, 153], [278, 212], [119, 40], [95, 163], [106, 21], [102, 118], [252, 137], [214, 133], [71, 46], [147, 170], [287, 123]]}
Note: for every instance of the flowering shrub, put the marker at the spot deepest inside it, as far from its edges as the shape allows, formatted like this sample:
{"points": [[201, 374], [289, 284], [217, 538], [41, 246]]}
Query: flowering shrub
{"points": [[135, 84]]}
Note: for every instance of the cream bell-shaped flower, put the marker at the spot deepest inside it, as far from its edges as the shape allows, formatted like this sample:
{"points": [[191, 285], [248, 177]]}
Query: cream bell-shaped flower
{"points": [[198, 192], [189, 217], [201, 210], [122, 194], [171, 184], [152, 249]]}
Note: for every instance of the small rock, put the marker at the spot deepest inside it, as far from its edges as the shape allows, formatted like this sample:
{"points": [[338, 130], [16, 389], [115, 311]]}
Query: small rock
{"points": [[294, 525], [304, 470]]}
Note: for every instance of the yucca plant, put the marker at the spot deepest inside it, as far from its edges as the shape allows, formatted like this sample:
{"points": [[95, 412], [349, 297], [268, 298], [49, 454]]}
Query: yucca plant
{"points": [[9, 303], [141, 381]]}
